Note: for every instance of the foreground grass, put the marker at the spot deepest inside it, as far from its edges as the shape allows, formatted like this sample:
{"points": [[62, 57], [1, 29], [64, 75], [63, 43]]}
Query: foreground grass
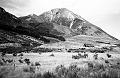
{"points": [[95, 70], [99, 71]]}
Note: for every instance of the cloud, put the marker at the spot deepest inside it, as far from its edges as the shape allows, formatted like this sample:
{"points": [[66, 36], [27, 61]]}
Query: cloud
{"points": [[14, 4], [16, 7], [5, 3]]}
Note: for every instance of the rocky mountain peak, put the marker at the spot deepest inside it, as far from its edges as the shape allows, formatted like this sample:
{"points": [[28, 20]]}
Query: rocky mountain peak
{"points": [[59, 15]]}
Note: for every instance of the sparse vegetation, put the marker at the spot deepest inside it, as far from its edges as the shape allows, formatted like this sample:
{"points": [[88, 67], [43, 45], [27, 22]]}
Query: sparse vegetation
{"points": [[110, 68]]}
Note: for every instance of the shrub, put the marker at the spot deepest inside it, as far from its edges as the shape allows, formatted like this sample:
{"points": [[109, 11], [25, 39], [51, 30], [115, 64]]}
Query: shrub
{"points": [[52, 55], [37, 64]]}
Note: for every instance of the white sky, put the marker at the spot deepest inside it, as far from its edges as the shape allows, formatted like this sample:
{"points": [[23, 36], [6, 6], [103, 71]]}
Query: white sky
{"points": [[102, 13]]}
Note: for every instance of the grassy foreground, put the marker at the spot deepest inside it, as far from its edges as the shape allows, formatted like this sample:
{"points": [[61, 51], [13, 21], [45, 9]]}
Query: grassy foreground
{"points": [[94, 70]]}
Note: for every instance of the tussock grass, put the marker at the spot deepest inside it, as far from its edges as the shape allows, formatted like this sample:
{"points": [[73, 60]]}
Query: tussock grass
{"points": [[30, 69], [98, 71], [4, 71]]}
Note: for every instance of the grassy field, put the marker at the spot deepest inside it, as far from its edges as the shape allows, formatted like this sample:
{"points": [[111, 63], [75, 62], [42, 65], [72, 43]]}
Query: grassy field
{"points": [[50, 63]]}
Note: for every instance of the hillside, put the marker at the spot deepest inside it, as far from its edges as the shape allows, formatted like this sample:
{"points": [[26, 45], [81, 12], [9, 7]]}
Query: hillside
{"points": [[13, 39], [10, 22], [58, 26]]}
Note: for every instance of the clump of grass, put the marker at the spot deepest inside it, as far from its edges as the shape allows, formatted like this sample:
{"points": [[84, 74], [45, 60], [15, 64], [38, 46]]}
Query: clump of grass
{"points": [[45, 75], [38, 75], [61, 71], [3, 72], [30, 69], [108, 73], [1, 63], [48, 75]]}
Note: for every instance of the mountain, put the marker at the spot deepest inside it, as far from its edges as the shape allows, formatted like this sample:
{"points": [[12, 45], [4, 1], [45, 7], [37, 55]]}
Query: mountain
{"points": [[60, 26], [63, 22], [76, 30]]}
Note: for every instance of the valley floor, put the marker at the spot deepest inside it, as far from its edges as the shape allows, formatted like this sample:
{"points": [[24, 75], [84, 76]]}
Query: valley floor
{"points": [[50, 60]]}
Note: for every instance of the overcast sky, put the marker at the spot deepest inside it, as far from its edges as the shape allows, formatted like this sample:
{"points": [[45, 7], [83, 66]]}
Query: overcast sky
{"points": [[103, 13]]}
